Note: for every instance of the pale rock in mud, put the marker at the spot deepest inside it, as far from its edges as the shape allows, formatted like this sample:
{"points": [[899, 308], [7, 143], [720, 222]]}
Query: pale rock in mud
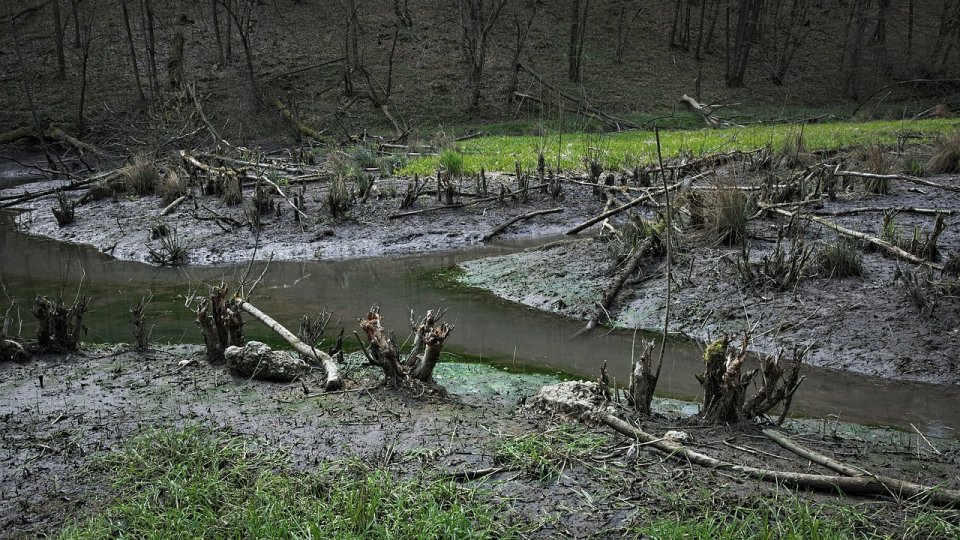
{"points": [[256, 360]]}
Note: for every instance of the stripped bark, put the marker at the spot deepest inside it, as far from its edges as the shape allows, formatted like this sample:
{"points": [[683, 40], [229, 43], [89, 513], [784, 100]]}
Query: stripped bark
{"points": [[523, 217], [333, 381]]}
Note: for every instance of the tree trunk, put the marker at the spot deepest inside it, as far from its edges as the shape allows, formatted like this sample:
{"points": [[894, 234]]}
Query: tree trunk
{"points": [[133, 50], [58, 40], [643, 380], [578, 30], [74, 4], [151, 43], [216, 30]]}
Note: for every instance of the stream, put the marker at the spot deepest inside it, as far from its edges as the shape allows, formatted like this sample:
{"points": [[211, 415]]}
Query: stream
{"points": [[488, 329]]}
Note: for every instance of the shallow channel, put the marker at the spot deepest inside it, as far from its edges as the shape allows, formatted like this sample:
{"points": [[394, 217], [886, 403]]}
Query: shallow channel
{"points": [[487, 328]]}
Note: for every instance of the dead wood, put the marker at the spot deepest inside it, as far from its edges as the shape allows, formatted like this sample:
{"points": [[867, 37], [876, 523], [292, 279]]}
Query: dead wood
{"points": [[643, 380], [333, 381], [882, 244], [381, 349], [11, 350], [861, 485], [597, 219], [896, 210], [581, 105], [725, 383], [611, 293], [220, 323], [903, 177], [296, 123], [13, 200], [523, 217], [461, 205], [173, 206], [706, 112], [198, 107], [59, 327], [16, 134]]}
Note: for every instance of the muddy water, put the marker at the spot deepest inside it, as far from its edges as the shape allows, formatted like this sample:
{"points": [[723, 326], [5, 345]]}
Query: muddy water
{"points": [[488, 328]]}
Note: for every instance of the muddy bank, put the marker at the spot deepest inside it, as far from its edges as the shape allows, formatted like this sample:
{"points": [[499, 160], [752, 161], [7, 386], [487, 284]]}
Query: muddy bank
{"points": [[60, 412], [215, 233], [867, 324]]}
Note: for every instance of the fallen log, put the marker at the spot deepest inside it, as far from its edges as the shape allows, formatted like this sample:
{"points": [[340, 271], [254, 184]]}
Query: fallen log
{"points": [[13, 200], [523, 217], [895, 209], [300, 126], [16, 135], [611, 293], [53, 133], [618, 123], [173, 206], [597, 219], [882, 244], [706, 113], [904, 177], [333, 381], [859, 485]]}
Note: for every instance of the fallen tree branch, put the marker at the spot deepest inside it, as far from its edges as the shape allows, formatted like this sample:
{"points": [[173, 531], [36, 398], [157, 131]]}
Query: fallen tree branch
{"points": [[597, 219], [13, 200], [815, 457], [611, 293], [904, 177], [860, 485], [896, 210], [882, 244], [706, 113], [173, 206], [618, 123], [333, 381], [523, 217], [300, 126]]}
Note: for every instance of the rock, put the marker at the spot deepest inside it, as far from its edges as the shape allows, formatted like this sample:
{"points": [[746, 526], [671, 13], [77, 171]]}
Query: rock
{"points": [[256, 360], [576, 399]]}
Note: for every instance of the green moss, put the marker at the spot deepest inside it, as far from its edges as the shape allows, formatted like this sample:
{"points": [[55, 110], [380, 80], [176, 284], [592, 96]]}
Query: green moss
{"points": [[716, 351]]}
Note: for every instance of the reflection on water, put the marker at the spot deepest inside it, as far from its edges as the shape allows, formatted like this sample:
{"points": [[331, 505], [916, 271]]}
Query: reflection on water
{"points": [[486, 327]]}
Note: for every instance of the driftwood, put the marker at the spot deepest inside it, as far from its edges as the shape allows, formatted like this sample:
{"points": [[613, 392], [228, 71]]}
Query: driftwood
{"points": [[59, 327], [52, 133], [860, 485], [523, 217], [220, 323], [333, 381], [611, 293], [882, 244], [13, 200], [643, 380], [904, 177]]}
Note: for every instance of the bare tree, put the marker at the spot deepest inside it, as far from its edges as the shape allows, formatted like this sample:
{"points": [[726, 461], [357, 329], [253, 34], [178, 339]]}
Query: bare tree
{"points": [[89, 20], [744, 37], [76, 23], [789, 29], [216, 30], [58, 40], [852, 52], [151, 43], [27, 88], [624, 22], [477, 18], [578, 30], [241, 13], [402, 10], [351, 45], [948, 34], [133, 50], [522, 22]]}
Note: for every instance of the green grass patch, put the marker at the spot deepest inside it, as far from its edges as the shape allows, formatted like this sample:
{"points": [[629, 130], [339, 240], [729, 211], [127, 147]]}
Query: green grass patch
{"points": [[194, 483], [794, 518], [500, 153], [545, 455]]}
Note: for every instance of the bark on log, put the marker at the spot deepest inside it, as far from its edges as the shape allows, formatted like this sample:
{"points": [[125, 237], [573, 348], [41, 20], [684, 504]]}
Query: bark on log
{"points": [[862, 485], [300, 126], [896, 210], [523, 217], [882, 244], [333, 381]]}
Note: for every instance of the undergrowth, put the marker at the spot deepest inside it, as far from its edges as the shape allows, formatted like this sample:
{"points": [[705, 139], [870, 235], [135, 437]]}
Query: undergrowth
{"points": [[545, 455], [194, 483]]}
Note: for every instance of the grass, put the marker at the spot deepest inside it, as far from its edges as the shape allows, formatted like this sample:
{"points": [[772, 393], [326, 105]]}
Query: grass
{"points": [[792, 518], [840, 259], [195, 483], [545, 455], [141, 176], [451, 162], [500, 153], [947, 157], [722, 214], [173, 187]]}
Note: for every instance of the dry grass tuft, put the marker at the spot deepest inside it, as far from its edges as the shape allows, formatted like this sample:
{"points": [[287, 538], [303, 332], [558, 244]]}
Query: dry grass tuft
{"points": [[174, 186], [946, 160], [723, 213], [140, 176]]}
